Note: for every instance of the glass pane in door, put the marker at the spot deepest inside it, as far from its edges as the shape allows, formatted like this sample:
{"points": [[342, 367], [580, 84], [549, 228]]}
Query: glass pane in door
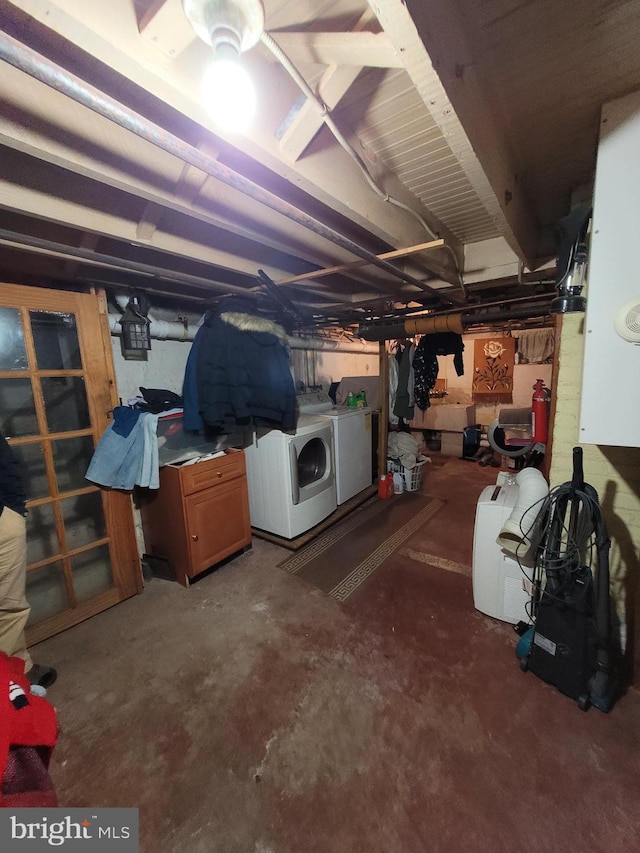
{"points": [[55, 338], [34, 469], [83, 519], [91, 573], [13, 355], [42, 537], [65, 401], [46, 592], [17, 409], [71, 457]]}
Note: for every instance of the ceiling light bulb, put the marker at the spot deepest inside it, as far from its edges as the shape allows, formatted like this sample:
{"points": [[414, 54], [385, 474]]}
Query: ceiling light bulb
{"points": [[229, 94]]}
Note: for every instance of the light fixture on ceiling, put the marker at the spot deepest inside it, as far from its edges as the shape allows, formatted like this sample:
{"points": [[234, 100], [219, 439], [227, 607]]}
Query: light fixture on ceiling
{"points": [[230, 27]]}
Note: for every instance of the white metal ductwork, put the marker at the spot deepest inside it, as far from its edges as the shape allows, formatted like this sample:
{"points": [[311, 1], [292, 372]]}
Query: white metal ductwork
{"points": [[514, 538]]}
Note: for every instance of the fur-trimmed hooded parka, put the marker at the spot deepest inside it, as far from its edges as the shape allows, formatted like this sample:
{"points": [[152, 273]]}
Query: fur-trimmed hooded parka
{"points": [[243, 374]]}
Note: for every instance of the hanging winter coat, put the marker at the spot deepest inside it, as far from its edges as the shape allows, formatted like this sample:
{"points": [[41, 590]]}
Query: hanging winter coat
{"points": [[243, 373]]}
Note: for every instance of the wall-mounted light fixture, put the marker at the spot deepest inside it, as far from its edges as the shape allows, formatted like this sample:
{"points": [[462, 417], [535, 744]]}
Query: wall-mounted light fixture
{"points": [[136, 334], [230, 27]]}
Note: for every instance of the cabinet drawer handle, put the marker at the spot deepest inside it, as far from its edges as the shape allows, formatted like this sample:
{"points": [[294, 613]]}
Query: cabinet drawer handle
{"points": [[194, 536], [219, 473]]}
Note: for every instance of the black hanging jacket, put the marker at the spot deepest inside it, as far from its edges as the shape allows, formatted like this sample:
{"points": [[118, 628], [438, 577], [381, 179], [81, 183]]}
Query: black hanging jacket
{"points": [[425, 363], [12, 493], [243, 373]]}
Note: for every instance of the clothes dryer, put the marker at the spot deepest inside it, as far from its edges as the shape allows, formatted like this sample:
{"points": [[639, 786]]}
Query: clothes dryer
{"points": [[352, 450], [291, 478], [352, 429]]}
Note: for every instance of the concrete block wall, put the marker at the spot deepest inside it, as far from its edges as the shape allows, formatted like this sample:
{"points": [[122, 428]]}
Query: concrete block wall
{"points": [[615, 474]]}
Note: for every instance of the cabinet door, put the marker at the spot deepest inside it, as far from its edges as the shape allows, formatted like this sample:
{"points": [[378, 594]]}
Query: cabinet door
{"points": [[218, 523]]}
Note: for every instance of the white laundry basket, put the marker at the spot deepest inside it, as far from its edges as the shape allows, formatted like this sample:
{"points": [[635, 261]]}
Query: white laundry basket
{"points": [[412, 476]]}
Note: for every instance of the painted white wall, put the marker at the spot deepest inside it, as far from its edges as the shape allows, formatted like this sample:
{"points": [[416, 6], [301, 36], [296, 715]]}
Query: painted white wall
{"points": [[167, 361], [332, 366], [163, 369]]}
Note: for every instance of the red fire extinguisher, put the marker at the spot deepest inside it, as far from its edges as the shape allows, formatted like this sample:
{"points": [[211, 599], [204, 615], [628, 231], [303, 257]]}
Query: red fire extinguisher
{"points": [[540, 412]]}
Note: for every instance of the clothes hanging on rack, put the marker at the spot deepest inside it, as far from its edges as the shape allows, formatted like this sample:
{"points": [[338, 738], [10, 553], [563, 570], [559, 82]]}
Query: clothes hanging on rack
{"points": [[393, 389], [534, 346], [242, 368], [401, 382], [425, 362], [403, 407]]}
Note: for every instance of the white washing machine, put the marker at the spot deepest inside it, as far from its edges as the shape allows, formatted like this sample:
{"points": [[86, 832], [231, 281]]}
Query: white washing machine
{"points": [[351, 442], [291, 478]]}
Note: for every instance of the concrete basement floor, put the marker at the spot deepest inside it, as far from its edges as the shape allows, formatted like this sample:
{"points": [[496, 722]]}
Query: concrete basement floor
{"points": [[252, 713]]}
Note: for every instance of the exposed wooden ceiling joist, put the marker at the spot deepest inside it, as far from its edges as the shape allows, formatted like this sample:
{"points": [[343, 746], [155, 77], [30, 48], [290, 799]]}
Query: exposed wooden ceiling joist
{"points": [[335, 81], [361, 49], [462, 111], [433, 45], [327, 174]]}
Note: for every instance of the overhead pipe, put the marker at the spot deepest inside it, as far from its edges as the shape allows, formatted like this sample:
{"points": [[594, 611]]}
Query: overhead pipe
{"points": [[172, 330], [58, 78], [432, 323], [14, 240], [161, 330], [38, 244], [328, 345]]}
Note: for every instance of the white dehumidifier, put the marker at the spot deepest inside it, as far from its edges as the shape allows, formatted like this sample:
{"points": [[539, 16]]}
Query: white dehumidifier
{"points": [[499, 586]]}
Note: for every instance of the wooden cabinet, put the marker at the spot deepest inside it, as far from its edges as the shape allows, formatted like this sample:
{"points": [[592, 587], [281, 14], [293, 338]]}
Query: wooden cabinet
{"points": [[199, 515]]}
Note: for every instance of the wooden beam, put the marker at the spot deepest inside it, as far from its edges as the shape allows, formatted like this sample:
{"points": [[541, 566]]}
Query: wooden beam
{"points": [[165, 26], [333, 84], [396, 253], [105, 178], [109, 32], [363, 49], [187, 189], [71, 267], [432, 41]]}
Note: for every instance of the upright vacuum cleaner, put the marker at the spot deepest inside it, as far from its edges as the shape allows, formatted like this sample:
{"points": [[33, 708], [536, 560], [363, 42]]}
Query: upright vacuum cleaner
{"points": [[571, 640]]}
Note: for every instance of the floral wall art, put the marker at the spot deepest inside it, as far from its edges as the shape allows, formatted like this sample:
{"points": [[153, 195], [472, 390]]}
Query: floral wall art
{"points": [[493, 370]]}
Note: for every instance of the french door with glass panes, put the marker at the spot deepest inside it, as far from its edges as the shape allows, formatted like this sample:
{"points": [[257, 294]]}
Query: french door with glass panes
{"points": [[57, 393]]}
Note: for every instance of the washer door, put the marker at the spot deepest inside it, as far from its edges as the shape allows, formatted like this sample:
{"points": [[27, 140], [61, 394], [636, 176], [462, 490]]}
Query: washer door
{"points": [[311, 465]]}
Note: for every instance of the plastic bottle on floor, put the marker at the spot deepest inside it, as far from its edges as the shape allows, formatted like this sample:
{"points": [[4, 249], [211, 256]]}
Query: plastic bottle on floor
{"points": [[398, 483], [385, 486]]}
